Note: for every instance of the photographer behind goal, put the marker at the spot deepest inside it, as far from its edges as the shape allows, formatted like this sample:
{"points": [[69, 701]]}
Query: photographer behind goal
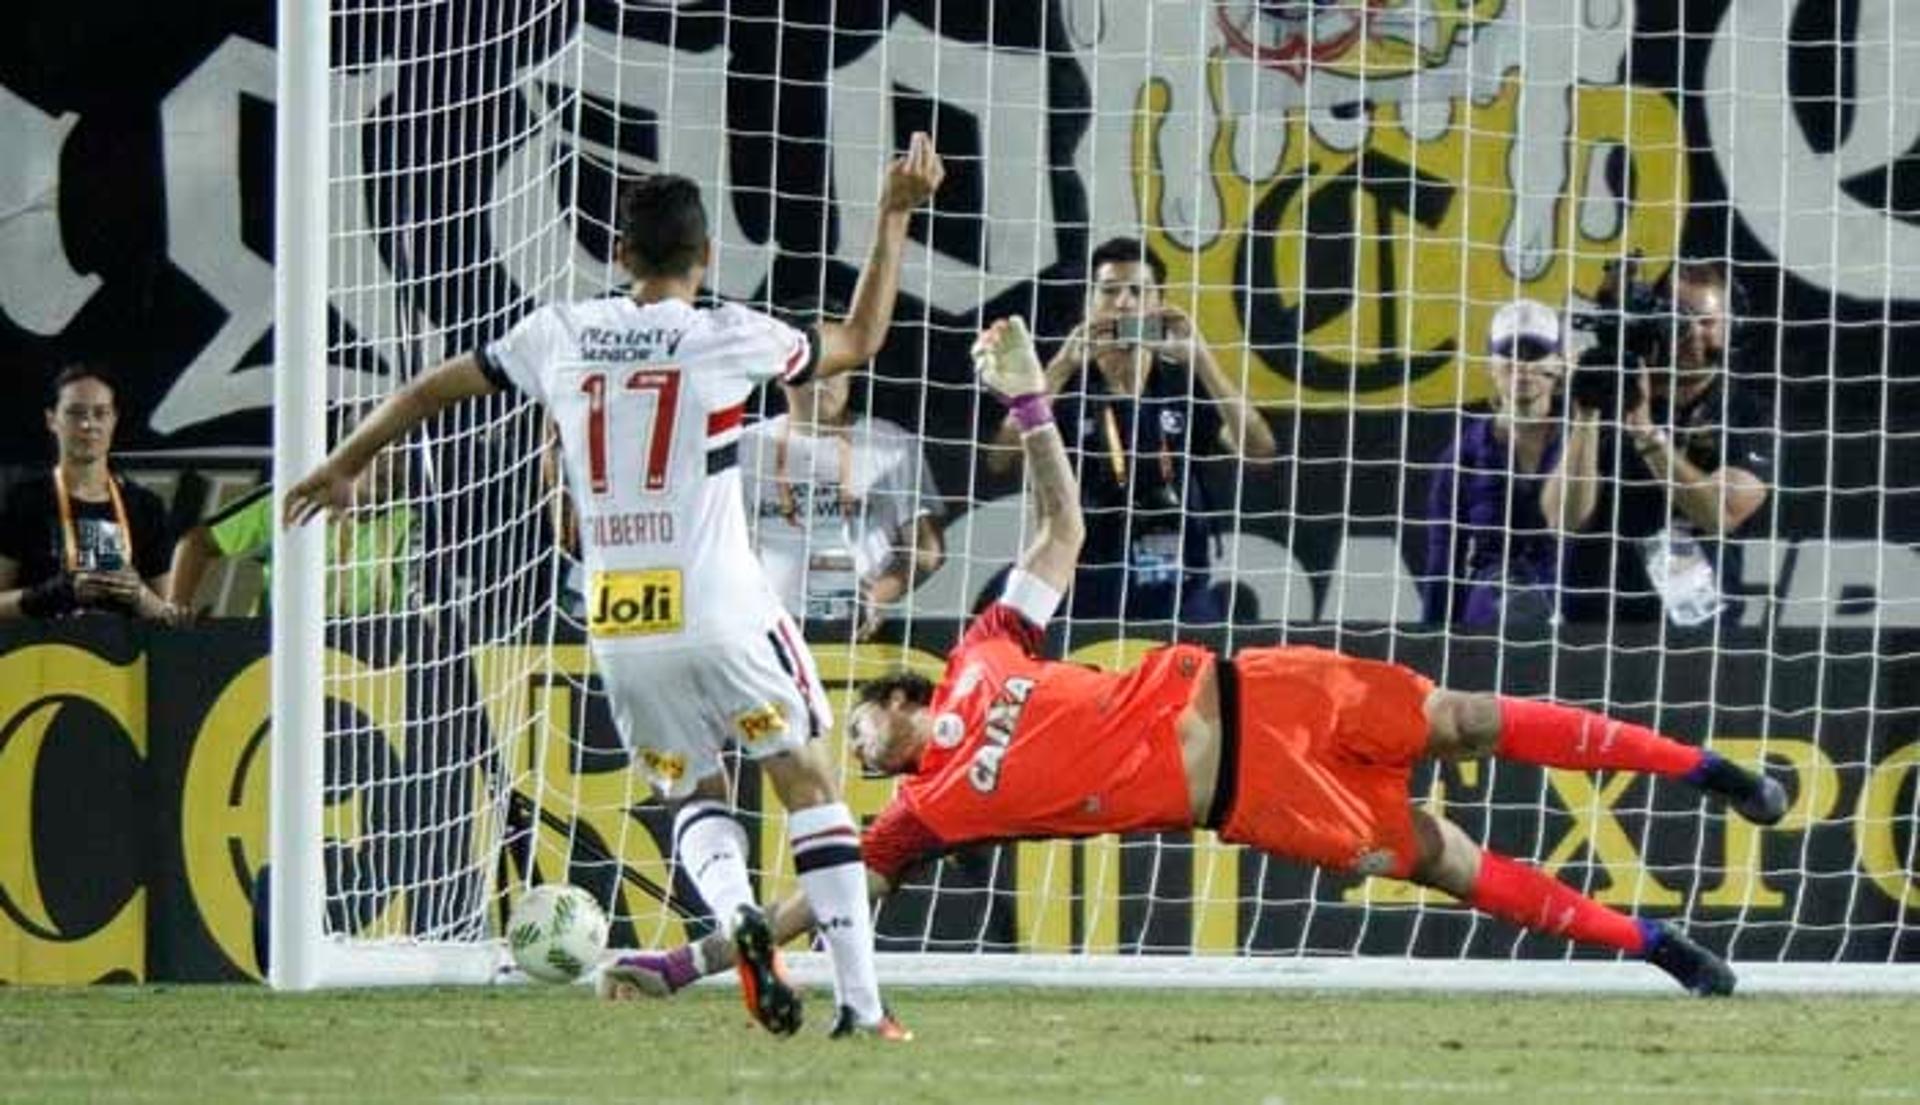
{"points": [[1144, 406], [1680, 456]]}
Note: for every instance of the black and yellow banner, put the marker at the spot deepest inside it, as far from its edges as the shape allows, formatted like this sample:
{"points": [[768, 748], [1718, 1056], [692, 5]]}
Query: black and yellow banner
{"points": [[133, 798]]}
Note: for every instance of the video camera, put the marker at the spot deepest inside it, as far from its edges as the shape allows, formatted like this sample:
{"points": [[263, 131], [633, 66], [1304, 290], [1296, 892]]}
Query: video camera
{"points": [[1633, 328]]}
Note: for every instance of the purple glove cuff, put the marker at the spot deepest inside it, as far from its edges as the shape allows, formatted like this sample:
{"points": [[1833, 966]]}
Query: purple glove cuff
{"points": [[1032, 411]]}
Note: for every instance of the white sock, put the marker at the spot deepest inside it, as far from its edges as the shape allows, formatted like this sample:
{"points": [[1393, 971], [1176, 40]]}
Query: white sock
{"points": [[711, 847], [826, 854]]}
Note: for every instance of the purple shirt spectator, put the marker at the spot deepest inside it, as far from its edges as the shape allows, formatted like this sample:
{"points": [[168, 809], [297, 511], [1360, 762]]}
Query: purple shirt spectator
{"points": [[1488, 544]]}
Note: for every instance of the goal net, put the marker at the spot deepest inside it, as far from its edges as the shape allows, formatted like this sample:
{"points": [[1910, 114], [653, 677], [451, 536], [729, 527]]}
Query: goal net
{"points": [[1341, 195]]}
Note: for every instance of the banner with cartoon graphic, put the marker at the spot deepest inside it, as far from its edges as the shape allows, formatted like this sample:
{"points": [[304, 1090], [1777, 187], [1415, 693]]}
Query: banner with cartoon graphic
{"points": [[1343, 192]]}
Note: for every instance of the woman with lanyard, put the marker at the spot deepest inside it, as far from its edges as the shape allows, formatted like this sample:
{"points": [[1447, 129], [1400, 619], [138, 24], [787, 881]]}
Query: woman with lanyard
{"points": [[79, 537]]}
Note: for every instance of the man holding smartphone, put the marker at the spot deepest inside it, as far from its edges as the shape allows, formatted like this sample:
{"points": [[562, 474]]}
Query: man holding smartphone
{"points": [[1141, 399]]}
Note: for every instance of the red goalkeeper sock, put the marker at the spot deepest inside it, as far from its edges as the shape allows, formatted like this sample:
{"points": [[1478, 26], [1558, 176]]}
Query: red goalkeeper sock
{"points": [[1531, 898], [1553, 735]]}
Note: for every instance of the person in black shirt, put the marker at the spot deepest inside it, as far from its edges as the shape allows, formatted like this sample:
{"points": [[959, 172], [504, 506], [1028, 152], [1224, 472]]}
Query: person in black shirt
{"points": [[79, 537], [1685, 470], [1141, 399]]}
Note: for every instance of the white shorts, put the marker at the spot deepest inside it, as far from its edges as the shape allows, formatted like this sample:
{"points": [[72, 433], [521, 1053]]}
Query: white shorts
{"points": [[677, 709]]}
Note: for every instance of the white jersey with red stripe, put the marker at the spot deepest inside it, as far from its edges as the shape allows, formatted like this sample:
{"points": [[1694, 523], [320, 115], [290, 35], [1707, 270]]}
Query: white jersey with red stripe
{"points": [[649, 400]]}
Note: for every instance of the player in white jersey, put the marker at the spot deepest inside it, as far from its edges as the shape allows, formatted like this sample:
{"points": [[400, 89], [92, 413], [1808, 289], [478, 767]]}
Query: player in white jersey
{"points": [[648, 393], [841, 508]]}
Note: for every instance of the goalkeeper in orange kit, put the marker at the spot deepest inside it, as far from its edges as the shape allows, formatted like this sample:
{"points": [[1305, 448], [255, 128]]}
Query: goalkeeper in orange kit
{"points": [[1302, 753]]}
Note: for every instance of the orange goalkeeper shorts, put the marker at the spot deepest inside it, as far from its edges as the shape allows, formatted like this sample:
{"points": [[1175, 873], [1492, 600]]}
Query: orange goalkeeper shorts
{"points": [[1327, 744]]}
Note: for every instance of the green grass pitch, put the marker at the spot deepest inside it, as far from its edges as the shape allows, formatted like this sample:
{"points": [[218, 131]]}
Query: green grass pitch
{"points": [[975, 1047]]}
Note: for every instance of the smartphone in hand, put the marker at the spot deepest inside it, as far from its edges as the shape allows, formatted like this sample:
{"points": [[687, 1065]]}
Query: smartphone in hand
{"points": [[1132, 330]]}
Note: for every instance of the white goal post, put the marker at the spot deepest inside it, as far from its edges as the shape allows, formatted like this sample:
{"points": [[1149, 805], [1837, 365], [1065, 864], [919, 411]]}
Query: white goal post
{"points": [[1342, 196], [299, 410]]}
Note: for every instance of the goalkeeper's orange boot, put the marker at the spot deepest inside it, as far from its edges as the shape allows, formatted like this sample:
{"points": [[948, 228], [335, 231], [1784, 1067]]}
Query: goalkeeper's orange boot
{"points": [[771, 1000], [887, 1028]]}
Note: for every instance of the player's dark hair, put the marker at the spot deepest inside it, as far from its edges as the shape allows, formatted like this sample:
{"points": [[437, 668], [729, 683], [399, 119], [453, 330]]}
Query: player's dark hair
{"points": [[917, 688], [1126, 251], [74, 373], [662, 225]]}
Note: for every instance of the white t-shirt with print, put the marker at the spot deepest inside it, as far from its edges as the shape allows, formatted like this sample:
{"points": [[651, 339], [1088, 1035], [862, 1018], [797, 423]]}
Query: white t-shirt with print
{"points": [[828, 511]]}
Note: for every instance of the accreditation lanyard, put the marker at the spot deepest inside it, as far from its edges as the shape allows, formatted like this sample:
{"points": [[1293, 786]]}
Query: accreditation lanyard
{"points": [[789, 508], [69, 535], [1117, 451]]}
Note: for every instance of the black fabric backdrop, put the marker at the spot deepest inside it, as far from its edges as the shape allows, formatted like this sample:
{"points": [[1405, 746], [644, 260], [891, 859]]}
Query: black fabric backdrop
{"points": [[1846, 389]]}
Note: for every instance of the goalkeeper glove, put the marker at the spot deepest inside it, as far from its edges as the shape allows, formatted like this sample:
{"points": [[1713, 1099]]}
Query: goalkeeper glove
{"points": [[50, 598], [1004, 359]]}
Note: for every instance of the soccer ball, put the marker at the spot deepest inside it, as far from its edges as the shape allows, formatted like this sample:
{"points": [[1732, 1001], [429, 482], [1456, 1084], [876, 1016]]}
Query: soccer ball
{"points": [[557, 932]]}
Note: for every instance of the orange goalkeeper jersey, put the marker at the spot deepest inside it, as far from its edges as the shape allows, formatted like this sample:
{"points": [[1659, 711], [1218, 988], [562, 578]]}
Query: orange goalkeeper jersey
{"points": [[1026, 747]]}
